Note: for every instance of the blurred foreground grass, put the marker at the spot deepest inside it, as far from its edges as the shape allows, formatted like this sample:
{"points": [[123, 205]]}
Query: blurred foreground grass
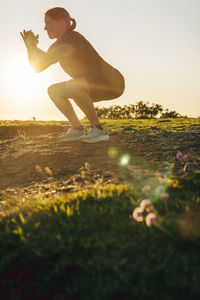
{"points": [[86, 245]]}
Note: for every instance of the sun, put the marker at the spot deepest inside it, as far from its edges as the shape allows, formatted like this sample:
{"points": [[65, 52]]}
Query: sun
{"points": [[24, 90], [20, 78]]}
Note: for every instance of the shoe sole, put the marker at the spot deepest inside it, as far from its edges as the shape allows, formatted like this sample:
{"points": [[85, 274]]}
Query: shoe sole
{"points": [[97, 139], [70, 139]]}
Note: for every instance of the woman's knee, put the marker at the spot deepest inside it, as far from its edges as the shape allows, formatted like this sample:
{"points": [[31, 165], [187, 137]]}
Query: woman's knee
{"points": [[63, 90], [58, 90]]}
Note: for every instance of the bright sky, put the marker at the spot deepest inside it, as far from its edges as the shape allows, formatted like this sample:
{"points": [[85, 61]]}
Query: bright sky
{"points": [[155, 44]]}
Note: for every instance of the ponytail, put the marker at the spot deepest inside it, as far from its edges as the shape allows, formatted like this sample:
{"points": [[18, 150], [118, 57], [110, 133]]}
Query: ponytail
{"points": [[73, 26]]}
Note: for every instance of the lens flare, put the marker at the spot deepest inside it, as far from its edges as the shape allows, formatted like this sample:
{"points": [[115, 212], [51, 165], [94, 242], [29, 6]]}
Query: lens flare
{"points": [[124, 160], [142, 175], [112, 152]]}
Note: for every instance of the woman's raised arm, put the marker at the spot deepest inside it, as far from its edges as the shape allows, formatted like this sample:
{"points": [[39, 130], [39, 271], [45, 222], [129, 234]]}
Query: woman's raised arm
{"points": [[41, 60]]}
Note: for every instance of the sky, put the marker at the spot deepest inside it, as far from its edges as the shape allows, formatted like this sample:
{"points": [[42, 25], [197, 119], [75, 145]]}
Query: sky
{"points": [[155, 44]]}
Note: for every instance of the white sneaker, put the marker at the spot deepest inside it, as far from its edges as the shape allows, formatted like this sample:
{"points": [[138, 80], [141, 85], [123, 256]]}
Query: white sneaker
{"points": [[72, 134], [95, 135]]}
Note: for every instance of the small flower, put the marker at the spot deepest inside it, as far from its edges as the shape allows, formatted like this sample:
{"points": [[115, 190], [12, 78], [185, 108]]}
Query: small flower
{"points": [[182, 157], [165, 195], [145, 203], [150, 219], [138, 214], [179, 156], [185, 157]]}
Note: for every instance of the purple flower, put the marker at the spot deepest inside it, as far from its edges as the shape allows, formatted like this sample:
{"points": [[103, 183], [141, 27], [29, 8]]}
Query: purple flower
{"points": [[150, 219], [181, 157], [138, 214], [165, 195], [185, 157]]}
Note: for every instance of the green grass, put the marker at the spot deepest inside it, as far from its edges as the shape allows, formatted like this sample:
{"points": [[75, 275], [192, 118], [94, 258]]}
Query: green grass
{"points": [[137, 123], [161, 124], [86, 245]]}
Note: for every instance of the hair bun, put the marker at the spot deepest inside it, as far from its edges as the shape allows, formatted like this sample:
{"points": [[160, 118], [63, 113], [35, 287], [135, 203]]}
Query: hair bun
{"points": [[73, 23]]}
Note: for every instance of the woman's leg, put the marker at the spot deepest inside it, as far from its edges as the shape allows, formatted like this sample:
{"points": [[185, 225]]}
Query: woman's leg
{"points": [[78, 90], [58, 95]]}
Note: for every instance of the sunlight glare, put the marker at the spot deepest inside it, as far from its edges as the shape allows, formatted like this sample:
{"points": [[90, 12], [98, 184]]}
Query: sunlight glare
{"points": [[125, 159], [112, 152], [21, 80]]}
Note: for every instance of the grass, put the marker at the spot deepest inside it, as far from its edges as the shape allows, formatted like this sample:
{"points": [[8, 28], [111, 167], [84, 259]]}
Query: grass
{"points": [[137, 123], [87, 245]]}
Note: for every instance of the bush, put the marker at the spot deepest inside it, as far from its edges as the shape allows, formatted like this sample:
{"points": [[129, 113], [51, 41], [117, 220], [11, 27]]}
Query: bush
{"points": [[140, 110]]}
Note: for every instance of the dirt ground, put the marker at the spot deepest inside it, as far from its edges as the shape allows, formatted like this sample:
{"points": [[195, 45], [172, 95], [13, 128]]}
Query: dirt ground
{"points": [[32, 159]]}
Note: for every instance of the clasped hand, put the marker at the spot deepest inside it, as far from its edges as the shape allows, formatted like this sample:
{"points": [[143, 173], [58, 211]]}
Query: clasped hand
{"points": [[29, 38]]}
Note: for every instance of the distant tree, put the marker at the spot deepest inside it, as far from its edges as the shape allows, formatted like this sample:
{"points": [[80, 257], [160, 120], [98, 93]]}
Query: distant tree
{"points": [[141, 110], [155, 109], [170, 114]]}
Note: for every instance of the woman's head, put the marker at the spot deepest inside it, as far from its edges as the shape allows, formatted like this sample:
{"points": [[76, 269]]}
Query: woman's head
{"points": [[57, 21]]}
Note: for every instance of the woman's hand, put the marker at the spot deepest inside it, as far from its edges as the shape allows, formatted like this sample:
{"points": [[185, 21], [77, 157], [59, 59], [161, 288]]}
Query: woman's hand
{"points": [[29, 38]]}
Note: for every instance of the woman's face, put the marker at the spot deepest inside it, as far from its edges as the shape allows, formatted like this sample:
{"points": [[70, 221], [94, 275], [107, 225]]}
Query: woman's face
{"points": [[54, 28]]}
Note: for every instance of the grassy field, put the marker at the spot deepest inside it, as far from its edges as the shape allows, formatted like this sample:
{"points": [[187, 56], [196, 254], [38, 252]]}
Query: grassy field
{"points": [[73, 223]]}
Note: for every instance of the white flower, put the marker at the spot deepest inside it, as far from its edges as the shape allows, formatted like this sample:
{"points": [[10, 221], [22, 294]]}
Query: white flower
{"points": [[150, 219], [138, 214], [145, 203]]}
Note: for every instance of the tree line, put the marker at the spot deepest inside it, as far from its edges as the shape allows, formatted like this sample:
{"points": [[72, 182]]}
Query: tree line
{"points": [[140, 110]]}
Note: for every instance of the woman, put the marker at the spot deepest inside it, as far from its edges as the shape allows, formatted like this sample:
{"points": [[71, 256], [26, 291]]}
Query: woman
{"points": [[93, 78]]}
